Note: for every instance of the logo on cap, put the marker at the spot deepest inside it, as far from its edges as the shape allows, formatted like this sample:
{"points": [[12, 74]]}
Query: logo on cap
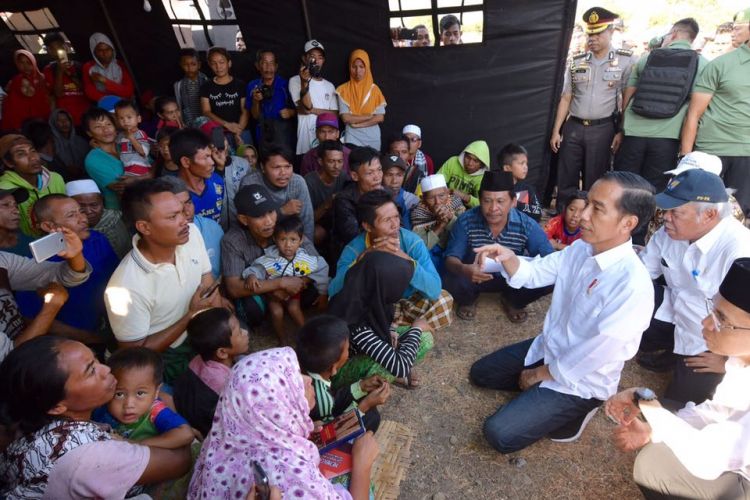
{"points": [[259, 198], [673, 184], [393, 158], [593, 17], [314, 43]]}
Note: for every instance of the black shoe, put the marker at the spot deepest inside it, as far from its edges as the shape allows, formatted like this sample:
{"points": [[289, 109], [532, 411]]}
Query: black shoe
{"points": [[573, 429], [658, 361]]}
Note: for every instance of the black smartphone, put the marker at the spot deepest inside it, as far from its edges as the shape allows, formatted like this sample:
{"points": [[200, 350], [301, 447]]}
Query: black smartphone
{"points": [[211, 288], [217, 138], [407, 34], [262, 488]]}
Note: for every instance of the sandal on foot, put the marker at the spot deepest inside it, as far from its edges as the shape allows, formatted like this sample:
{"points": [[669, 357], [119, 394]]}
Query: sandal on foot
{"points": [[411, 381], [514, 315], [467, 313]]}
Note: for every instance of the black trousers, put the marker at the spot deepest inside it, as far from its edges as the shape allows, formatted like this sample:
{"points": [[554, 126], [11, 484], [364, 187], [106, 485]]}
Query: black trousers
{"points": [[584, 149], [736, 174], [686, 385], [648, 157], [465, 292]]}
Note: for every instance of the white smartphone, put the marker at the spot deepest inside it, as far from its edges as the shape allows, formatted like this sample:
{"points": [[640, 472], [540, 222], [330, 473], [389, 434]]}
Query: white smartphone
{"points": [[47, 246]]}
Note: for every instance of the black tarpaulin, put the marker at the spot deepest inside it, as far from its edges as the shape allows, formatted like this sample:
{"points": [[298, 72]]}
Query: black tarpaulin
{"points": [[502, 90]]}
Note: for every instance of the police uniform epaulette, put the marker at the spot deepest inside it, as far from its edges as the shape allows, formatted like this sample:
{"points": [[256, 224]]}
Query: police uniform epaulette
{"points": [[624, 52]]}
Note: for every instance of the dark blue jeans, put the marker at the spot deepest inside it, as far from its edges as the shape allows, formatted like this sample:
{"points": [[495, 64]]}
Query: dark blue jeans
{"points": [[534, 413]]}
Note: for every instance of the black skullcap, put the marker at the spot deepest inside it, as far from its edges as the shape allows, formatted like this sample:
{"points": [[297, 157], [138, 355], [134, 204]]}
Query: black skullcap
{"points": [[497, 180], [735, 285]]}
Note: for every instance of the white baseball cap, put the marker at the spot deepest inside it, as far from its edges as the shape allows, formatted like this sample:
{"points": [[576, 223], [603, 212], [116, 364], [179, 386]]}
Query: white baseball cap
{"points": [[412, 129], [433, 182], [83, 186], [697, 159], [313, 44]]}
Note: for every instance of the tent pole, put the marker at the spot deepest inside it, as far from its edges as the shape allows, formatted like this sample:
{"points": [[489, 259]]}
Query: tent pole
{"points": [[306, 14], [119, 45]]}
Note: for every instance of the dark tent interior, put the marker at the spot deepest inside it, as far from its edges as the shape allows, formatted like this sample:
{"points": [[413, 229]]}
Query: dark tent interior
{"points": [[503, 89]]}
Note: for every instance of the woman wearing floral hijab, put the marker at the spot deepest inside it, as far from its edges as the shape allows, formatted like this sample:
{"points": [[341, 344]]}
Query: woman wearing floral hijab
{"points": [[27, 93], [361, 103], [263, 416], [105, 75]]}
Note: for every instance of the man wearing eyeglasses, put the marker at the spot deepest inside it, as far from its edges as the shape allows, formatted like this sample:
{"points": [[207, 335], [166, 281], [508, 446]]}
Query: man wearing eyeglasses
{"points": [[691, 253], [701, 451]]}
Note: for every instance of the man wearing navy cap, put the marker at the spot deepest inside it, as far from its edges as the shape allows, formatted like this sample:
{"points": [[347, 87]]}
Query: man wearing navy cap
{"points": [[692, 252], [593, 82], [701, 452]]}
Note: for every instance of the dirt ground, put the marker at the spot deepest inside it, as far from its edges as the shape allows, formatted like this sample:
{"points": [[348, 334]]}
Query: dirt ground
{"points": [[450, 456], [451, 459]]}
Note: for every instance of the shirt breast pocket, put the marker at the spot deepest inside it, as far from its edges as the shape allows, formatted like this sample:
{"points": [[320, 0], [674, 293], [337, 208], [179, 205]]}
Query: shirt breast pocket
{"points": [[612, 75], [586, 305], [580, 76]]}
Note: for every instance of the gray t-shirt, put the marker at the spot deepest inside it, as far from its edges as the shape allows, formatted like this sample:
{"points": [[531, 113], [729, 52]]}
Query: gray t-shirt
{"points": [[366, 136], [319, 192], [295, 190]]}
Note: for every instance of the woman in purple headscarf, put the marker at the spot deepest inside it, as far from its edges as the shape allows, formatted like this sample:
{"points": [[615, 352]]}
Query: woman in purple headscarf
{"points": [[263, 416]]}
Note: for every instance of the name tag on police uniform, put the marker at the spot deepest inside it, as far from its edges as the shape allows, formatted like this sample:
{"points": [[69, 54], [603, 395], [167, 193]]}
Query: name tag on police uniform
{"points": [[580, 75], [612, 74]]}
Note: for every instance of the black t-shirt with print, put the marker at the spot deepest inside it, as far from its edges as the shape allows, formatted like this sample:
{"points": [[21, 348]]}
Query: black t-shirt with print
{"points": [[225, 99]]}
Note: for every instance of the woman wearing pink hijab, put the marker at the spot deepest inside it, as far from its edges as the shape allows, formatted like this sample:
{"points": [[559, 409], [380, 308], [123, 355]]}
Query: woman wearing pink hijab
{"points": [[263, 416], [27, 93]]}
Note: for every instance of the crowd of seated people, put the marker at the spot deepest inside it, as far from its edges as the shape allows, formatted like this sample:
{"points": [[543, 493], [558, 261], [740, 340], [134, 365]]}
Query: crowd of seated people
{"points": [[125, 357]]}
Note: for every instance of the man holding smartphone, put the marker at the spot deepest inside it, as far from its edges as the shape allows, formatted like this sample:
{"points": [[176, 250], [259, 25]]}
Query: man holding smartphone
{"points": [[160, 284], [64, 80]]}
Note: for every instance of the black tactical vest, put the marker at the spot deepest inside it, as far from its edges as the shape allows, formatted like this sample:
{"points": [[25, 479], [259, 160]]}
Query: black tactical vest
{"points": [[665, 82]]}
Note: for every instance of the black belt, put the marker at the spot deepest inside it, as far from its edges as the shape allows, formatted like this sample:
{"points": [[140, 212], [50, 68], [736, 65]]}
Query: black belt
{"points": [[589, 123]]}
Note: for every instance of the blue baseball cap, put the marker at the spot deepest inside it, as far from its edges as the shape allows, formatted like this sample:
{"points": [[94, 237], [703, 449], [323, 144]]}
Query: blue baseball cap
{"points": [[692, 185]]}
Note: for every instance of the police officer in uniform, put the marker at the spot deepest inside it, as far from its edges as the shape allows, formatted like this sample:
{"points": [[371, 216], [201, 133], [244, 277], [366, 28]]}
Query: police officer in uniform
{"points": [[589, 105]]}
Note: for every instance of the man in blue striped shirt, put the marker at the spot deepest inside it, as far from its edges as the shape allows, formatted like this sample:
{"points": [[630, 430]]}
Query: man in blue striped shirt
{"points": [[495, 220]]}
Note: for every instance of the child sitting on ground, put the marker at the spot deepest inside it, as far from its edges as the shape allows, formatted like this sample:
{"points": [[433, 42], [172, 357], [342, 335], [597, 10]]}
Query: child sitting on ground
{"points": [[135, 412], [323, 348], [133, 145], [565, 228], [215, 335], [515, 159], [287, 258]]}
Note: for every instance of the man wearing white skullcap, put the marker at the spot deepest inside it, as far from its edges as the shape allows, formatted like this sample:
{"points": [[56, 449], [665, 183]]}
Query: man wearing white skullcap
{"points": [[107, 221], [417, 158], [434, 216]]}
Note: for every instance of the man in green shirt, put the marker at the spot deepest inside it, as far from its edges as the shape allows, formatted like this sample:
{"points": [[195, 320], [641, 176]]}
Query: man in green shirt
{"points": [[718, 118], [650, 145]]}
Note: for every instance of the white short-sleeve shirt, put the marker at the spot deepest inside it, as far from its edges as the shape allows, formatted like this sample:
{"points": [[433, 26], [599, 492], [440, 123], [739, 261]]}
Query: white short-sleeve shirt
{"points": [[143, 298], [323, 96]]}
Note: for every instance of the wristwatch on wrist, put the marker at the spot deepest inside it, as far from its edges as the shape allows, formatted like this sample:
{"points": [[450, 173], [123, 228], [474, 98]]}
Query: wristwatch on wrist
{"points": [[643, 394]]}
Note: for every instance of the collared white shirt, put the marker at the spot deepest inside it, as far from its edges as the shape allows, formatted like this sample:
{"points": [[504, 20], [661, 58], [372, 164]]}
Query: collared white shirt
{"points": [[600, 307], [143, 298], [693, 272], [713, 437]]}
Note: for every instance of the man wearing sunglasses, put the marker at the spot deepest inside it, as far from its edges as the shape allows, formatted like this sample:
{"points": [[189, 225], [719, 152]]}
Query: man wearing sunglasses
{"points": [[689, 257], [701, 451]]}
